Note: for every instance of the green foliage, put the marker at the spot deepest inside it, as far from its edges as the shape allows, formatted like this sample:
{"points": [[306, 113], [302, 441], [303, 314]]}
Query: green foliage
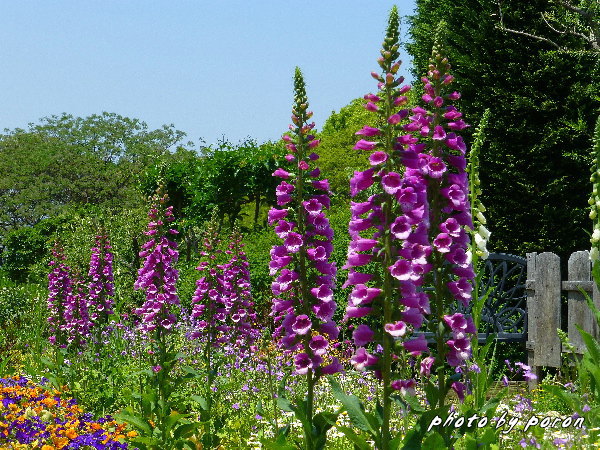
{"points": [[66, 161], [22, 325], [26, 246], [226, 177], [534, 169], [338, 160]]}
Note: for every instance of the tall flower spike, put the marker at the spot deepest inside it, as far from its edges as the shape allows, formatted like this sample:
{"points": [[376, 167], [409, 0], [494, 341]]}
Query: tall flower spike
{"points": [[101, 286], [480, 234], [594, 200], [157, 277], [390, 227], [222, 303], [451, 221], [60, 292], [417, 218], [303, 305]]}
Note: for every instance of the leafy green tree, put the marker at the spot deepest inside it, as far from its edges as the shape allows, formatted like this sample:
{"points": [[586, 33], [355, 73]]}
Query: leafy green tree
{"points": [[226, 177], [577, 20], [67, 161], [543, 107], [338, 160]]}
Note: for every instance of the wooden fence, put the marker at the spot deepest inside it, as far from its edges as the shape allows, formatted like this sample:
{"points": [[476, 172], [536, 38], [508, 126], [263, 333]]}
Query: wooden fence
{"points": [[544, 288]]}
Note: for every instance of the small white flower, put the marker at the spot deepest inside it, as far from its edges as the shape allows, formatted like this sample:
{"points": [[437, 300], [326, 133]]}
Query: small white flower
{"points": [[484, 232], [481, 217], [480, 242], [594, 254], [593, 214], [469, 256], [596, 235]]}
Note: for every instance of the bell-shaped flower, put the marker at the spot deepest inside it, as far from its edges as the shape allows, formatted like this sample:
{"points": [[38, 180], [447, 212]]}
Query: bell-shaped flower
{"points": [[362, 335]]}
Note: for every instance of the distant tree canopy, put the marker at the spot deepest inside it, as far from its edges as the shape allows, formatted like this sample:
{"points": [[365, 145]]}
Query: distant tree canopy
{"points": [[338, 160], [67, 161], [534, 168], [225, 177]]}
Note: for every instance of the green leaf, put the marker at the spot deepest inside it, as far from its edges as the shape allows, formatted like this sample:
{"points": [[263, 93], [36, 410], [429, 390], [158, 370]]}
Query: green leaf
{"points": [[591, 344], [359, 442], [201, 401], [412, 440], [172, 419], [186, 430], [141, 424], [353, 406], [434, 440], [324, 420], [412, 401], [285, 405], [395, 444], [489, 436]]}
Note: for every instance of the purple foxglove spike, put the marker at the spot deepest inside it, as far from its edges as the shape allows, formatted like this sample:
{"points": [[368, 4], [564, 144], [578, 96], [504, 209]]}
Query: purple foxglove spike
{"points": [[396, 329], [334, 367], [281, 174], [361, 181], [362, 359], [391, 182], [372, 98], [413, 316], [356, 312], [377, 158], [439, 134]]}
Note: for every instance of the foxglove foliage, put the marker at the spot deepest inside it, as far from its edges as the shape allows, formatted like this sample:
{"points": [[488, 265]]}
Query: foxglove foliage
{"points": [[157, 277], [303, 305], [101, 286], [594, 200]]}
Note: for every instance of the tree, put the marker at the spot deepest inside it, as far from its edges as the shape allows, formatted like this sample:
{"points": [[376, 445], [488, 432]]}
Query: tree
{"points": [[68, 161], [543, 102], [226, 177], [338, 160], [571, 25]]}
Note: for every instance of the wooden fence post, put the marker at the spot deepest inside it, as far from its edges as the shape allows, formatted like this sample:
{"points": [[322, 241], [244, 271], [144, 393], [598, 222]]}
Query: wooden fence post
{"points": [[531, 325], [544, 310], [578, 311], [531, 314]]}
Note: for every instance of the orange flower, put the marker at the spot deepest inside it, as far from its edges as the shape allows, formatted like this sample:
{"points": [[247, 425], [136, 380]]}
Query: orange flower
{"points": [[71, 433]]}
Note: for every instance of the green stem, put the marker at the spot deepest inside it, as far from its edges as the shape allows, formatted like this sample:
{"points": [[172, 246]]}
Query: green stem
{"points": [[311, 380]]}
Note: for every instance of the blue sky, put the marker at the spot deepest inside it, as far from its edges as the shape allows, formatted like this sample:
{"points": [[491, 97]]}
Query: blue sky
{"points": [[211, 68]]}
